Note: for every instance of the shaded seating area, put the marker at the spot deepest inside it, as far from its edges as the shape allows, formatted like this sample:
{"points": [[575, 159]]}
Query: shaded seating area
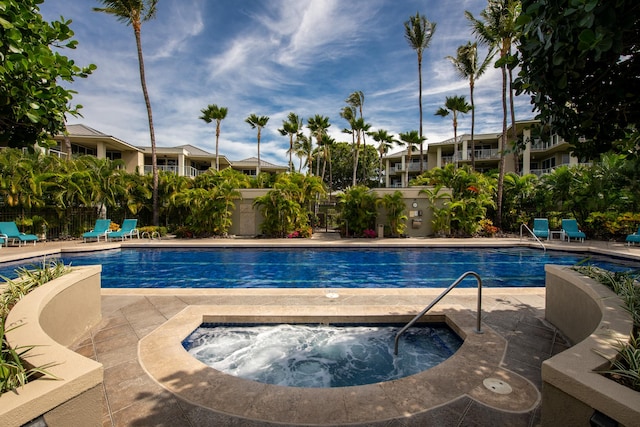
{"points": [[541, 228], [571, 230], [9, 231], [633, 238], [100, 229], [128, 229]]}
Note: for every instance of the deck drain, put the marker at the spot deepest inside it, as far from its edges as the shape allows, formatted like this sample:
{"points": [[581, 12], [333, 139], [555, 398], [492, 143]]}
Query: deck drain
{"points": [[332, 295], [497, 386]]}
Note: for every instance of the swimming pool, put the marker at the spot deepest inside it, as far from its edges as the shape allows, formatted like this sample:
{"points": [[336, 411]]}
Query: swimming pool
{"points": [[323, 268]]}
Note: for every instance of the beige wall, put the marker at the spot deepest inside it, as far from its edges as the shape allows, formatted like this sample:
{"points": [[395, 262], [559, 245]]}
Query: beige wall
{"points": [[53, 316], [593, 318]]}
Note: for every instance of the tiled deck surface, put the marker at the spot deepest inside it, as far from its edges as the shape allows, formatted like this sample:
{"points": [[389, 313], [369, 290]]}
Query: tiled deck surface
{"points": [[132, 398]]}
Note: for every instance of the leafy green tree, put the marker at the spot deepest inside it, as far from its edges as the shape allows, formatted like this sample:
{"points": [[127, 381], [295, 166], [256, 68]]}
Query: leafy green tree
{"points": [[580, 63], [257, 122], [134, 13], [454, 105], [209, 114], [32, 104], [519, 199], [418, 31], [302, 150], [468, 66]]}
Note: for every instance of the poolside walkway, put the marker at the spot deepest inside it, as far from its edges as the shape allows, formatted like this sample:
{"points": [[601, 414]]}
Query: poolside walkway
{"points": [[133, 398]]}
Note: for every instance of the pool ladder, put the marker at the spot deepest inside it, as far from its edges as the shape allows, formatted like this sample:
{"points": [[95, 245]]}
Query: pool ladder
{"points": [[435, 301], [532, 234]]}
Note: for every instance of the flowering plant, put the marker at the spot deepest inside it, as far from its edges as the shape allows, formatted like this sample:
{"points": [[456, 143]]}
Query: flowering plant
{"points": [[369, 234]]}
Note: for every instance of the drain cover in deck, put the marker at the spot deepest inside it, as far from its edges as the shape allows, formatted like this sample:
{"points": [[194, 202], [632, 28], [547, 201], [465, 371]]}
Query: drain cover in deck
{"points": [[497, 386]]}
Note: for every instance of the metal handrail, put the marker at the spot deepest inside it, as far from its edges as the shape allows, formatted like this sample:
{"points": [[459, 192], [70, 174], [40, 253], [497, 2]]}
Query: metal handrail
{"points": [[533, 234], [435, 301]]}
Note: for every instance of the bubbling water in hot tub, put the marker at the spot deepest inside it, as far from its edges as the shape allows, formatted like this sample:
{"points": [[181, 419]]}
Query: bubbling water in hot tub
{"points": [[301, 355]]}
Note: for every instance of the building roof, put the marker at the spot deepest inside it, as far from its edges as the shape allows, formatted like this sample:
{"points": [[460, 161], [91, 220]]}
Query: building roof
{"points": [[253, 162]]}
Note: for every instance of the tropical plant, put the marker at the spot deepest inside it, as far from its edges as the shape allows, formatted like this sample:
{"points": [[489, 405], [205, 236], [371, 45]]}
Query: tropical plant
{"points": [[34, 103], [356, 102], [497, 29], [394, 206], [257, 122], [441, 213], [357, 210], [210, 113], [134, 13], [468, 66], [454, 105], [286, 207], [418, 32]]}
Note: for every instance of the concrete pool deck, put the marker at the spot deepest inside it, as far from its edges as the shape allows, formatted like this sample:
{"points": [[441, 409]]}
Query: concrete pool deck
{"points": [[133, 398]]}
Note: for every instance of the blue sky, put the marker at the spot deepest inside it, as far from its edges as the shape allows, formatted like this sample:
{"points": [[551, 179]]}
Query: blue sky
{"points": [[270, 58]]}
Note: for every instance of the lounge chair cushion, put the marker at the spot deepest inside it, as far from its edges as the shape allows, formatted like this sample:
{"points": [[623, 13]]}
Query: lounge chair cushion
{"points": [[10, 230], [541, 227], [99, 230], [570, 228]]}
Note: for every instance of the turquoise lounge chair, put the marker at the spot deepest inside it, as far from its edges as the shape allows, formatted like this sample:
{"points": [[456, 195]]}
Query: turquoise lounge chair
{"points": [[10, 230], [128, 229], [633, 238], [570, 229], [541, 228], [99, 230]]}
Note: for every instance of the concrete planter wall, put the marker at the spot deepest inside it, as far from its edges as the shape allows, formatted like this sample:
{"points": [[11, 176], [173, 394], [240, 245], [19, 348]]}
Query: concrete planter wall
{"points": [[52, 317], [592, 317]]}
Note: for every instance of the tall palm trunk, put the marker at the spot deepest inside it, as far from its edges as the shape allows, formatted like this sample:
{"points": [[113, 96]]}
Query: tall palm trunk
{"points": [[355, 161], [514, 133], [217, 139], [473, 125], [420, 102], [502, 149], [154, 159], [258, 167]]}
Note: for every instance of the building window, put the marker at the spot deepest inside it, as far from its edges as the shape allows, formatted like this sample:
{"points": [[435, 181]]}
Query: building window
{"points": [[114, 155]]}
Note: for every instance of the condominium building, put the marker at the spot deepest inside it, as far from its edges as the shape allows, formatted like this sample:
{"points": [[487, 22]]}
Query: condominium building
{"points": [[538, 156], [184, 160]]}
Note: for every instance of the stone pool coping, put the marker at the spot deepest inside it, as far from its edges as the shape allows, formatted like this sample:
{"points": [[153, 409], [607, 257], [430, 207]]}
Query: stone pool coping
{"points": [[163, 357]]}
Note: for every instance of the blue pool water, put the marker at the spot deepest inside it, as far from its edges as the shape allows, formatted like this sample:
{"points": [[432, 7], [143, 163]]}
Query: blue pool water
{"points": [[298, 355], [323, 268]]}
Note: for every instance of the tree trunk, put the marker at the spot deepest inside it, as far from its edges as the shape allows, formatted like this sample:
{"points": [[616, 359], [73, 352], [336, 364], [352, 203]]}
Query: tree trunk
{"points": [[502, 149], [154, 156], [473, 125], [514, 133], [419, 102], [217, 138]]}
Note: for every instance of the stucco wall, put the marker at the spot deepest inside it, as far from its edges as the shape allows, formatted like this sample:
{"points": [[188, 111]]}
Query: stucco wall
{"points": [[593, 318], [51, 317]]}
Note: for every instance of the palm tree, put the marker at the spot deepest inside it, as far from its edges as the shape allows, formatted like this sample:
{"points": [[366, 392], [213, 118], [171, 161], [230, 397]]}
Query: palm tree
{"points": [[409, 139], [302, 149], [467, 66], [356, 102], [318, 126], [257, 122], [360, 128], [134, 13], [497, 30], [385, 141], [209, 114], [456, 105], [291, 127], [418, 32]]}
